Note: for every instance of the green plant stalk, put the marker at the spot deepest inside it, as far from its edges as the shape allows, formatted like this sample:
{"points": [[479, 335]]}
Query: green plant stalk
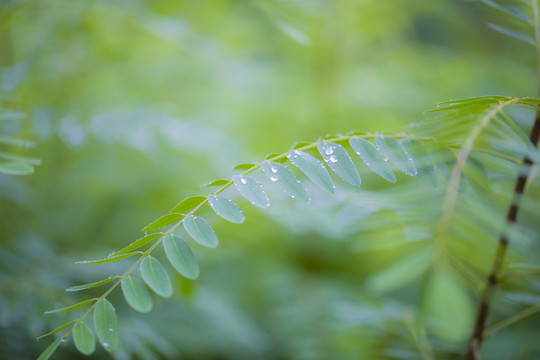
{"points": [[194, 210], [492, 280]]}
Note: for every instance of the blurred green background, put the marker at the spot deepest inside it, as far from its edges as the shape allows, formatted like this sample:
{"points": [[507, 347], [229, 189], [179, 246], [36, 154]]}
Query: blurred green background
{"points": [[134, 104]]}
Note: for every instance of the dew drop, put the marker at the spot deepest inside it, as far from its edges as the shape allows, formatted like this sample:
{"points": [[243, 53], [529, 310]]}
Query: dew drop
{"points": [[385, 159], [243, 181], [105, 343], [63, 340], [274, 170], [293, 196], [409, 158], [111, 329], [329, 151], [274, 178], [333, 158]]}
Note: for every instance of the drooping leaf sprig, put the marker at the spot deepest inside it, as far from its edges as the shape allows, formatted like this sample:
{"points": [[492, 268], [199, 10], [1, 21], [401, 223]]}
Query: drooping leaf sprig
{"points": [[421, 155]]}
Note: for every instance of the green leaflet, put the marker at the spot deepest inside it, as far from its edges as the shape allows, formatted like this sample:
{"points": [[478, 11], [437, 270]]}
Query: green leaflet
{"points": [[337, 158], [445, 160], [513, 13], [180, 256], [449, 309], [488, 98], [402, 272], [251, 190], [136, 294], [476, 171], [226, 208], [19, 158], [219, 182], [138, 243], [163, 221], [16, 168], [246, 166], [298, 145], [72, 307], [91, 285], [155, 276], [373, 158], [313, 169], [16, 142], [110, 258], [190, 203], [83, 338], [106, 324], [513, 33], [46, 354], [422, 161], [396, 153], [200, 231], [60, 328], [280, 175]]}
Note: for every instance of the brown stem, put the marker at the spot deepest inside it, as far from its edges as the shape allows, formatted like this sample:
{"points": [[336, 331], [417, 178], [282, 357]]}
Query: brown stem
{"points": [[492, 279]]}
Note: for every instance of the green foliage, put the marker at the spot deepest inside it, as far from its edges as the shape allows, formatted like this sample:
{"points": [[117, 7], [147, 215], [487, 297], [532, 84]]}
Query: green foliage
{"points": [[370, 263]]}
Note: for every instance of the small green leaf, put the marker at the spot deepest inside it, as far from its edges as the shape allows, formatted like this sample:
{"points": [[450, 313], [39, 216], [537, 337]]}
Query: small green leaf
{"points": [[226, 208], [155, 276], [72, 307], [396, 153], [16, 142], [180, 256], [513, 33], [246, 166], [136, 294], [251, 190], [422, 161], [219, 182], [91, 285], [448, 308], [138, 243], [110, 258], [163, 221], [83, 338], [16, 168], [298, 145], [283, 177], [368, 152], [19, 158], [445, 160], [485, 98], [476, 171], [106, 324], [46, 354], [530, 101], [271, 157], [201, 231], [337, 158], [190, 203], [313, 169], [58, 329], [402, 272], [513, 13]]}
